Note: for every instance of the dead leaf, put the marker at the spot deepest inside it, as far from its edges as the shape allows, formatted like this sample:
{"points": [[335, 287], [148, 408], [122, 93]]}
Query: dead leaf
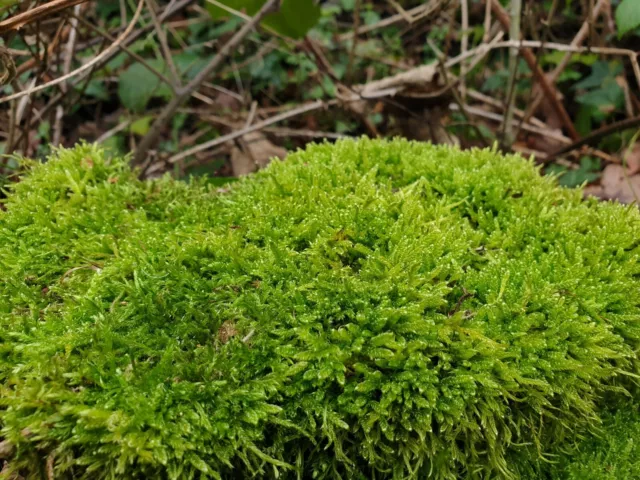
{"points": [[227, 331], [632, 159], [256, 152], [618, 185], [594, 191], [544, 144], [227, 102], [6, 449]]}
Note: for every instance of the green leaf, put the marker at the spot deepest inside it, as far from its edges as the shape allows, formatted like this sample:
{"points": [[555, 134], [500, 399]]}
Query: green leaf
{"points": [[600, 71], [348, 5], [607, 99], [138, 85], [294, 19], [141, 126], [97, 89], [627, 16], [588, 172]]}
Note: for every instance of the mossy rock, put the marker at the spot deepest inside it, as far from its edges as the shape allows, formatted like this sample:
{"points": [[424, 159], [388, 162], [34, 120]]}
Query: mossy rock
{"points": [[369, 309]]}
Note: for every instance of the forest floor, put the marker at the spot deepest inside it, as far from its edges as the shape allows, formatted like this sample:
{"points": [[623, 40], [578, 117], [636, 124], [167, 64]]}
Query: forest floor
{"points": [[445, 71]]}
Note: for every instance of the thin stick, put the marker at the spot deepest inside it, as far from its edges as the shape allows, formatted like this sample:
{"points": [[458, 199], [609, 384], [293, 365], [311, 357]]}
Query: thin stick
{"points": [[487, 22], [110, 133], [496, 117], [422, 10], [530, 58], [497, 104], [464, 46], [85, 67], [577, 41], [354, 43], [597, 135], [408, 18], [123, 12], [164, 44], [18, 21], [549, 45], [68, 58], [128, 51], [514, 53], [184, 93], [256, 126], [293, 132]]}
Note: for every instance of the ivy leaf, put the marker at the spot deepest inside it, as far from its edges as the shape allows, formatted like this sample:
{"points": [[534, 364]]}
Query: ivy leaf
{"points": [[588, 172], [627, 16], [600, 72], [138, 85], [294, 19]]}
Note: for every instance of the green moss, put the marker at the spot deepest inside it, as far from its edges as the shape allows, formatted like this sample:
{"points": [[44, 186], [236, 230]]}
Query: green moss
{"points": [[613, 454], [367, 309]]}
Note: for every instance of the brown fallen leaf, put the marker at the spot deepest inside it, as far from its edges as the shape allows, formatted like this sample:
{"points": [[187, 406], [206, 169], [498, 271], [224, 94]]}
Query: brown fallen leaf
{"points": [[227, 102], [256, 152], [594, 191], [227, 331], [618, 185], [632, 159]]}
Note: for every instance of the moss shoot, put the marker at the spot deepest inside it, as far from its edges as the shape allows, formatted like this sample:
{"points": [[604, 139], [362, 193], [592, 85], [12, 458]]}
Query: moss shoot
{"points": [[369, 309]]}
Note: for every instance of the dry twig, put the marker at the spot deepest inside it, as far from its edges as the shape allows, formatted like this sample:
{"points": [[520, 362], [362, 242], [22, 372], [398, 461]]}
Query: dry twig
{"points": [[596, 136], [18, 21], [184, 93], [420, 11], [576, 42], [529, 57], [253, 128], [87, 66]]}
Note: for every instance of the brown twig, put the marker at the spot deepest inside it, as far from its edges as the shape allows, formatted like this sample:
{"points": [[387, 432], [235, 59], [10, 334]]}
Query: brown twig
{"points": [[87, 66], [576, 42], [168, 57], [68, 58], [184, 93], [596, 135], [253, 128], [127, 50], [420, 11], [530, 58], [18, 21], [354, 41], [514, 54]]}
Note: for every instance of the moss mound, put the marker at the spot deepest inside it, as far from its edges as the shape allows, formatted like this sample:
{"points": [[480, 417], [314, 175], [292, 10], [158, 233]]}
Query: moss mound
{"points": [[613, 454], [370, 309]]}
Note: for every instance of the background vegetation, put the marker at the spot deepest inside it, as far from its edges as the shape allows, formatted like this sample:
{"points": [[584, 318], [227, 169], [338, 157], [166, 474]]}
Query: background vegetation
{"points": [[569, 96]]}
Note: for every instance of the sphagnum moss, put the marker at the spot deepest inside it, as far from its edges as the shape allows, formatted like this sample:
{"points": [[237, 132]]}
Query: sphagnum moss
{"points": [[370, 309]]}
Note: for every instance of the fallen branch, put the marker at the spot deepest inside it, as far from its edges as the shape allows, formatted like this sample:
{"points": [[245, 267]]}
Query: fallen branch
{"points": [[183, 94]]}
